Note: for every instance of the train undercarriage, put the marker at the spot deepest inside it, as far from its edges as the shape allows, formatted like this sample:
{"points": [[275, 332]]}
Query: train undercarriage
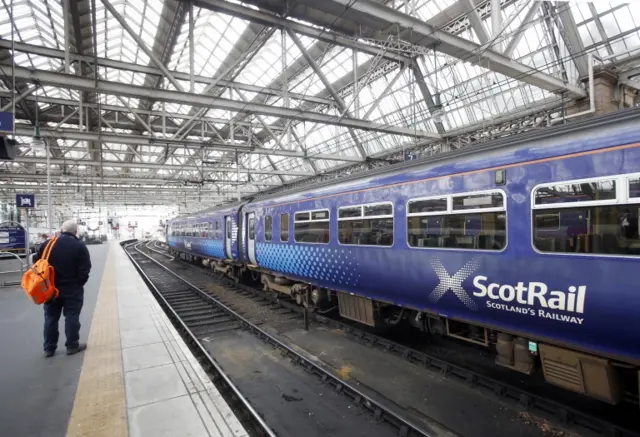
{"points": [[594, 376]]}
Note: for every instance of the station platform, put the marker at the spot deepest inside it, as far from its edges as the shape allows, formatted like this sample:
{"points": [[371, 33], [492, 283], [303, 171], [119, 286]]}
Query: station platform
{"points": [[136, 378]]}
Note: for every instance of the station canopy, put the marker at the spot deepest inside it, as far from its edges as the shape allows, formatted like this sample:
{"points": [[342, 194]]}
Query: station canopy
{"points": [[197, 103]]}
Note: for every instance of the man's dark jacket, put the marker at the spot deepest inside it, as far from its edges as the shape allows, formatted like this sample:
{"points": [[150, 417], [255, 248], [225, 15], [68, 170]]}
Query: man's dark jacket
{"points": [[71, 262]]}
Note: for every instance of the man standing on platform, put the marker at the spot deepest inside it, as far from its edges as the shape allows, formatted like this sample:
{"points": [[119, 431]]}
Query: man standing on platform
{"points": [[71, 262]]}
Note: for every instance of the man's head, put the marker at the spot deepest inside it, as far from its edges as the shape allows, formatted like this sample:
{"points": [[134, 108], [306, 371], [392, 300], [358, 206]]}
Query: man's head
{"points": [[70, 226]]}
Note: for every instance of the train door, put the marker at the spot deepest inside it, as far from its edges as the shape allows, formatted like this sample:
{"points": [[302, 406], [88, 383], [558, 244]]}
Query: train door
{"points": [[251, 237], [227, 237]]}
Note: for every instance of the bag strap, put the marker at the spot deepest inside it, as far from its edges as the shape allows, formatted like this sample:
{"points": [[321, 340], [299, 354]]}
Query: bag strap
{"points": [[47, 250]]}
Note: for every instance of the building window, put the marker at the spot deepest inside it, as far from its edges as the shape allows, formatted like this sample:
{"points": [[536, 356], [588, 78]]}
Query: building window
{"points": [[599, 216], [367, 225], [284, 227], [311, 226], [268, 228], [472, 221]]}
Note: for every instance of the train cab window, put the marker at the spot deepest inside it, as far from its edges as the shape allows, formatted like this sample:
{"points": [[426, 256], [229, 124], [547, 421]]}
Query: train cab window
{"points": [[284, 227], [597, 217], [472, 221], [252, 228], [311, 226], [367, 225], [268, 228]]}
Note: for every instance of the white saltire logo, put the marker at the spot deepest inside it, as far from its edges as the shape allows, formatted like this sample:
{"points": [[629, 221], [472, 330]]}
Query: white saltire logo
{"points": [[453, 283]]}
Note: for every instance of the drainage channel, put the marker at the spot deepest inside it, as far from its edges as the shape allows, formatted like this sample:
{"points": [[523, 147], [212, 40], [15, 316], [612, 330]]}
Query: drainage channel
{"points": [[206, 322]]}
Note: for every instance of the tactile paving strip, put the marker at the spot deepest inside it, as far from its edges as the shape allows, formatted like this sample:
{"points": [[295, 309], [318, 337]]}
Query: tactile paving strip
{"points": [[99, 408]]}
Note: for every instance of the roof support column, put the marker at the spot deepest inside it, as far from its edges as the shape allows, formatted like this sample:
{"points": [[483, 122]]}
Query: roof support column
{"points": [[339, 102], [426, 94], [495, 24], [572, 40], [527, 22], [142, 45], [191, 49], [476, 23], [285, 83], [67, 35]]}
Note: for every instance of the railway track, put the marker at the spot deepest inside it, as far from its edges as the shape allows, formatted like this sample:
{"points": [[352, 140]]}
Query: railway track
{"points": [[593, 418], [212, 328]]}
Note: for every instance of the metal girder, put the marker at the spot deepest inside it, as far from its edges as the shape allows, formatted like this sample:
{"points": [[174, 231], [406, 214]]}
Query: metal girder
{"points": [[573, 40], [155, 166], [107, 87], [156, 115], [272, 20], [114, 183], [421, 33], [476, 22], [143, 140], [149, 70], [426, 95], [527, 22], [339, 102], [76, 179]]}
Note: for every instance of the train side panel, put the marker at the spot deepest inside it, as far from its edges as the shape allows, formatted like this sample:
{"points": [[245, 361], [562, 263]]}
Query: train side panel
{"points": [[581, 300]]}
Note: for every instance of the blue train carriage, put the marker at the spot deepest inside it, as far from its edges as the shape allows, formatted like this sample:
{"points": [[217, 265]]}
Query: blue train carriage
{"points": [[209, 238], [528, 246]]}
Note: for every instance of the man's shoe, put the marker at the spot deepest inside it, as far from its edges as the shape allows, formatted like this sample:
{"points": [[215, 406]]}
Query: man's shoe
{"points": [[49, 354], [75, 350]]}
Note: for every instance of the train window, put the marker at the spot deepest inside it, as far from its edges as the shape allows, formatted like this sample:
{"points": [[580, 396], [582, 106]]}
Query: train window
{"points": [[609, 229], [634, 187], [311, 226], [428, 205], [475, 221], [583, 191], [478, 201], [301, 217], [252, 228], [606, 225], [349, 211], [284, 227], [374, 228], [229, 228], [268, 228], [217, 234]]}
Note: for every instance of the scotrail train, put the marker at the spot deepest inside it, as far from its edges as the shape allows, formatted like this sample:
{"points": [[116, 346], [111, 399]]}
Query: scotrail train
{"points": [[528, 246]]}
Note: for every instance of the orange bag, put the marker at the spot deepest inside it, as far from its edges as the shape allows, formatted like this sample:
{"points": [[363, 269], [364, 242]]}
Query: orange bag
{"points": [[38, 281]]}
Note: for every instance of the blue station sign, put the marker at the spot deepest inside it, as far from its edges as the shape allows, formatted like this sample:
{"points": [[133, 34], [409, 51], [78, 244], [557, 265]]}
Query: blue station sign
{"points": [[26, 200], [12, 238], [6, 122]]}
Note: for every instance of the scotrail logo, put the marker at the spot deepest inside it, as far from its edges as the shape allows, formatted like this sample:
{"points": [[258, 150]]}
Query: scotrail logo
{"points": [[531, 298], [453, 283]]}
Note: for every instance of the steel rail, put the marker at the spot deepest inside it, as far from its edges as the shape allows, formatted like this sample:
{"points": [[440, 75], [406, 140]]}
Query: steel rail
{"points": [[213, 367], [405, 427]]}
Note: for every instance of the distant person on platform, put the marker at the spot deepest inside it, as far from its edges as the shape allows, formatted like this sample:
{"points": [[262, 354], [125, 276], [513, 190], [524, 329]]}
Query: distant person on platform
{"points": [[72, 264]]}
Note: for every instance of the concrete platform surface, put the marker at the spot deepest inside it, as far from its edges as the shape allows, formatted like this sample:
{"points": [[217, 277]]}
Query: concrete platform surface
{"points": [[136, 378]]}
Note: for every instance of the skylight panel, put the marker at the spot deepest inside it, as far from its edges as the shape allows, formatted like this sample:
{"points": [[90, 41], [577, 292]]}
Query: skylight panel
{"points": [[115, 41], [214, 36]]}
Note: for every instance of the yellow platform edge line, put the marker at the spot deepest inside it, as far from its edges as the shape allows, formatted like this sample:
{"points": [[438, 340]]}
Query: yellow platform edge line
{"points": [[99, 408]]}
